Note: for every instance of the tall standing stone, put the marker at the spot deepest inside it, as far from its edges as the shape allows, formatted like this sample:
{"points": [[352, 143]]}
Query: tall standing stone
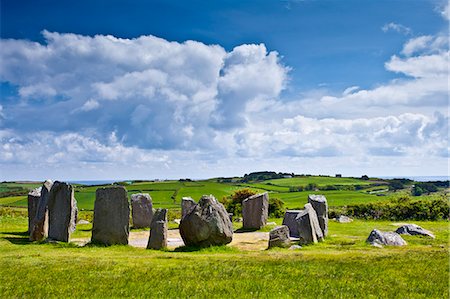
{"points": [[308, 226], [158, 230], [62, 212], [33, 201], [141, 210], [289, 221], [255, 211], [320, 205], [207, 224], [40, 221], [111, 224], [187, 204]]}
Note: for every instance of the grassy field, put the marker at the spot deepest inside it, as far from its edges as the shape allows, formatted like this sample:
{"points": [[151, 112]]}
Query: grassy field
{"points": [[168, 194], [343, 266]]}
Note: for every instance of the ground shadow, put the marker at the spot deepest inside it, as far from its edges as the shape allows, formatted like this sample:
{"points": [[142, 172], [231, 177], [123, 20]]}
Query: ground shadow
{"points": [[245, 230], [18, 240], [188, 249]]}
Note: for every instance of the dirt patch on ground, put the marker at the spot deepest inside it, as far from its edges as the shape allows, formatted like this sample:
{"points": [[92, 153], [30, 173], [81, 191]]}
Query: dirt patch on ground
{"points": [[243, 241]]}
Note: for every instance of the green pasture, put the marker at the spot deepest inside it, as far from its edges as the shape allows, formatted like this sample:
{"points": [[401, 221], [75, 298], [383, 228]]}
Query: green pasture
{"points": [[319, 180], [334, 198], [168, 194], [343, 266]]}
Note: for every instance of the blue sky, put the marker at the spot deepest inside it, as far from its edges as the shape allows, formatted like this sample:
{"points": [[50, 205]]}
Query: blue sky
{"points": [[169, 89]]}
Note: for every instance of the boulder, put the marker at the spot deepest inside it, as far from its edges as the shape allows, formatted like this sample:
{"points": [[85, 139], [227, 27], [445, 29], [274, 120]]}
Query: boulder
{"points": [[158, 230], [289, 221], [255, 211], [62, 212], [33, 201], [187, 203], [141, 210], [344, 219], [279, 237], [111, 223], [309, 230], [207, 224], [40, 222], [379, 238], [320, 205], [413, 230]]}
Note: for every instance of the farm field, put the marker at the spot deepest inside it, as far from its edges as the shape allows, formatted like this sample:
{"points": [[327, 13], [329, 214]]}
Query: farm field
{"points": [[168, 194], [342, 266]]}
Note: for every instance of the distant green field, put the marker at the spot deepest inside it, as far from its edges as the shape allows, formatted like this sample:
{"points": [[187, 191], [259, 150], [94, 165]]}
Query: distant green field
{"points": [[168, 194], [334, 198], [319, 180]]}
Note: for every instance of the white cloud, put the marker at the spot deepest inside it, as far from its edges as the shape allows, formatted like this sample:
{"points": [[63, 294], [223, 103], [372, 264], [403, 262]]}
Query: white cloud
{"points": [[425, 44], [350, 90], [147, 89], [396, 27], [182, 108], [446, 12]]}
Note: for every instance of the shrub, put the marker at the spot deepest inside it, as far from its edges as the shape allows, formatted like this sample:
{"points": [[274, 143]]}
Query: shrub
{"points": [[401, 208], [276, 208]]}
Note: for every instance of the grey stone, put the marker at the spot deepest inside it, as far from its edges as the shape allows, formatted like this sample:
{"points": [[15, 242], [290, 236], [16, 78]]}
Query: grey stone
{"points": [[207, 224], [158, 230], [255, 211], [111, 224], [187, 204], [33, 201], [320, 205], [141, 210], [289, 221], [62, 212], [82, 221], [413, 229], [279, 237], [344, 219], [308, 226], [379, 238], [40, 222]]}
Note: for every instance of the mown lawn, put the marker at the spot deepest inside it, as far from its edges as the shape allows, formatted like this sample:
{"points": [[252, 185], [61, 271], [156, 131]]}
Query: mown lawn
{"points": [[341, 267]]}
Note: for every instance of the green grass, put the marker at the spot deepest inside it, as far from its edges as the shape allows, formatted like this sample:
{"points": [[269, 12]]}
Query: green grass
{"points": [[334, 198], [319, 180], [343, 266], [163, 193]]}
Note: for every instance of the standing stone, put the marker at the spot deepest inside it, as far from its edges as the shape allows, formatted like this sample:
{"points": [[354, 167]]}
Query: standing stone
{"points": [[158, 230], [111, 224], [255, 211], [187, 204], [378, 238], [413, 229], [141, 210], [207, 224], [308, 226], [62, 212], [40, 222], [320, 205], [279, 237], [33, 201], [289, 221]]}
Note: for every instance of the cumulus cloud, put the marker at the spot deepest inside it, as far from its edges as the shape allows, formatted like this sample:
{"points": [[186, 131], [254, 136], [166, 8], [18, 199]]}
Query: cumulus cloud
{"points": [[153, 93], [147, 102]]}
